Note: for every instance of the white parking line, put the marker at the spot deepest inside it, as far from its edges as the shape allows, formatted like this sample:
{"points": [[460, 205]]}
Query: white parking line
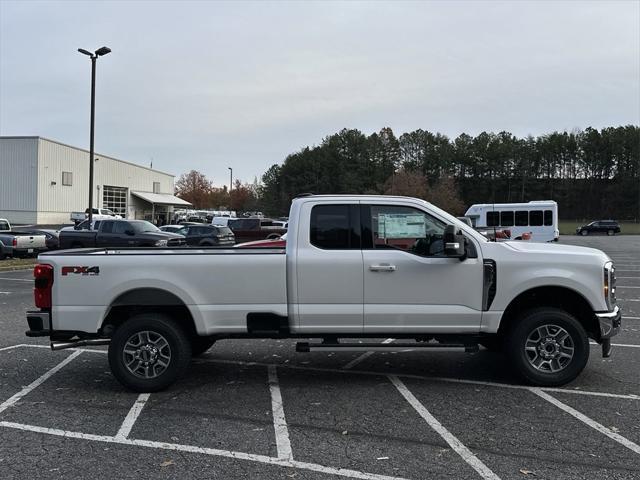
{"points": [[362, 357], [629, 299], [36, 383], [628, 345], [626, 286], [466, 454], [419, 377], [16, 279], [630, 318], [132, 416], [343, 472], [590, 422], [283, 443], [10, 347]]}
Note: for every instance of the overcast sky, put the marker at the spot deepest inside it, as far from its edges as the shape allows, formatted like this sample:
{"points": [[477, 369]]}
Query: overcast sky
{"points": [[209, 85]]}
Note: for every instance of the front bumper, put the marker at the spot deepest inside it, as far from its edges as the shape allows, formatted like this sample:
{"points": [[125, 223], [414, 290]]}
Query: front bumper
{"points": [[610, 323]]}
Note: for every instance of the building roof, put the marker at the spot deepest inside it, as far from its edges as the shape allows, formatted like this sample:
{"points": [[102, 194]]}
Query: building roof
{"points": [[97, 154], [161, 199]]}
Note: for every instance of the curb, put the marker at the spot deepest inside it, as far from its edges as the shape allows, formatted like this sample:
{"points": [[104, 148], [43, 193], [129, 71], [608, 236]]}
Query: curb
{"points": [[15, 269]]}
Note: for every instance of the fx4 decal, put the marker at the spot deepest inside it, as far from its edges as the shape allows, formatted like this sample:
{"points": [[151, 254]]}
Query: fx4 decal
{"points": [[80, 271]]}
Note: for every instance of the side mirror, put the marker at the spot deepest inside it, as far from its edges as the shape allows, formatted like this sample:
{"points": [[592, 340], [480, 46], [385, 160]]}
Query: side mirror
{"points": [[454, 243], [129, 232]]}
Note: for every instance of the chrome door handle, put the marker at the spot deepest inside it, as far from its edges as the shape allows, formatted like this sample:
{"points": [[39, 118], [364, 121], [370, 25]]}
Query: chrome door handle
{"points": [[382, 268]]}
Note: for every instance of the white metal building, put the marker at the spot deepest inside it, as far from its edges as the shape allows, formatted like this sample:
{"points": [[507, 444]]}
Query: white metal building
{"points": [[42, 181]]}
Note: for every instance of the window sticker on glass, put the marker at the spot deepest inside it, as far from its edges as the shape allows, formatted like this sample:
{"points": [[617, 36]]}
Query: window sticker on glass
{"points": [[399, 225]]}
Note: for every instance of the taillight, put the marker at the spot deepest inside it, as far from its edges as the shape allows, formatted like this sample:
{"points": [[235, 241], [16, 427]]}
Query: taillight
{"points": [[15, 241], [43, 275]]}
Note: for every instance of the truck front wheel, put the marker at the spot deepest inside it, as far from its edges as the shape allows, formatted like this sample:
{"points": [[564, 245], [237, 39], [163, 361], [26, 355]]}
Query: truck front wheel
{"points": [[149, 352], [547, 347]]}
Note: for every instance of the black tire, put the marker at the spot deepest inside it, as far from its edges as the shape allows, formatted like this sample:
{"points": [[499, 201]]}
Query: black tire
{"points": [[584, 233], [611, 233], [492, 343], [199, 345], [159, 325], [526, 325]]}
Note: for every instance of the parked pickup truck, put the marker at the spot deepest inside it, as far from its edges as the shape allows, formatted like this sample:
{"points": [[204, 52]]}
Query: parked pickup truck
{"points": [[354, 266], [98, 214], [249, 229], [19, 244], [119, 233]]}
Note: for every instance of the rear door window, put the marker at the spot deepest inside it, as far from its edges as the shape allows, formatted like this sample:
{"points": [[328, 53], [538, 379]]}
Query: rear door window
{"points": [[120, 227], [331, 227], [548, 218], [107, 227]]}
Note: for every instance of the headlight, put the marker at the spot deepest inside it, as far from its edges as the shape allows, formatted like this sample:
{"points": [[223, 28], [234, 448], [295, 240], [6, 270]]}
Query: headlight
{"points": [[161, 243], [610, 284]]}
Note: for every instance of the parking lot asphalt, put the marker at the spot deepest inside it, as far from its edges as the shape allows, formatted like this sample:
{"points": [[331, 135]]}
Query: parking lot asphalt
{"points": [[257, 409]]}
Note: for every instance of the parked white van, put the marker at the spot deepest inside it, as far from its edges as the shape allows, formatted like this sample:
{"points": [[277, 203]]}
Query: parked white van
{"points": [[538, 217]]}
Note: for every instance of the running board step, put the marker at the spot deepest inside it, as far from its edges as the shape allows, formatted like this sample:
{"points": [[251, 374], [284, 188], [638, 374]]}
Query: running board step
{"points": [[387, 347]]}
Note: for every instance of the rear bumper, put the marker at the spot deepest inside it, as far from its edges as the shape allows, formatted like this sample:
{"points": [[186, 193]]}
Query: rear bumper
{"points": [[39, 324]]}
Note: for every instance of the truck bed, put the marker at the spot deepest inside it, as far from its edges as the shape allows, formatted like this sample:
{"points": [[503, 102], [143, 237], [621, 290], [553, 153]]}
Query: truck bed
{"points": [[219, 286]]}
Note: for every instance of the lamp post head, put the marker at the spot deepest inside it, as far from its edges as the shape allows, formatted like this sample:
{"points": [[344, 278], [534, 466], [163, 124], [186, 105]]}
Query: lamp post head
{"points": [[82, 50], [102, 51]]}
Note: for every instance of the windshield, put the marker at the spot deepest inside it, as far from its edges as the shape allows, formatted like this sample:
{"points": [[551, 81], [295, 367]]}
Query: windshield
{"points": [[141, 226], [4, 225]]}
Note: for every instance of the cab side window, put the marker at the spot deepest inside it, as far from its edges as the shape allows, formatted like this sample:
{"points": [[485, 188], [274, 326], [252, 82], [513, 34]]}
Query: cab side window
{"points": [[405, 228], [332, 227]]}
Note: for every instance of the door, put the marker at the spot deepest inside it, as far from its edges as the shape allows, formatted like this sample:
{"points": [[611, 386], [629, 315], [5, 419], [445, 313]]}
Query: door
{"points": [[329, 269], [114, 235], [410, 286]]}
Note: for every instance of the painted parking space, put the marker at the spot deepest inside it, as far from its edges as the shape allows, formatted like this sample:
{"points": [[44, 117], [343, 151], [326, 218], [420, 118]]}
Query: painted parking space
{"points": [[516, 431], [361, 422], [226, 407], [20, 366], [309, 420], [620, 415], [83, 396]]}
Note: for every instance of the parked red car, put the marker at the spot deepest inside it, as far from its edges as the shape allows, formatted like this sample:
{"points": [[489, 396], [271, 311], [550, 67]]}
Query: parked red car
{"points": [[280, 242]]}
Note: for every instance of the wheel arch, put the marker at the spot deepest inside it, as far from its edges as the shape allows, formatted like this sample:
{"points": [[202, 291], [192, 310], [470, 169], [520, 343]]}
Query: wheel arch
{"points": [[145, 300], [560, 297]]}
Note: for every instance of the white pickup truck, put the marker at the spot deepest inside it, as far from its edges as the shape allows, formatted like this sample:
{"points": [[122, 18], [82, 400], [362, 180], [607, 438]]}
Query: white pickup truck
{"points": [[19, 244], [354, 266]]}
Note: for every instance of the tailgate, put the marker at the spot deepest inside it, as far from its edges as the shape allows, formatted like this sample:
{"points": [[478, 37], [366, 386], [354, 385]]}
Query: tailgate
{"points": [[25, 242]]}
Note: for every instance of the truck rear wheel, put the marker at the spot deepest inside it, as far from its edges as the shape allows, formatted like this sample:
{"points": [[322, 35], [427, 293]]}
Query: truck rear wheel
{"points": [[149, 352], [548, 347]]}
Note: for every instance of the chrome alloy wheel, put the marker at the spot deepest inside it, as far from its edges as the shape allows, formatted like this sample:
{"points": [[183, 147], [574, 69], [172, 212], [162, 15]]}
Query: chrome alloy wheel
{"points": [[146, 354], [549, 348]]}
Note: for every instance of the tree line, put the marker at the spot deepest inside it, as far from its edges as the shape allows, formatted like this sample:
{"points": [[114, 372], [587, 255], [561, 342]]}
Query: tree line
{"points": [[590, 173]]}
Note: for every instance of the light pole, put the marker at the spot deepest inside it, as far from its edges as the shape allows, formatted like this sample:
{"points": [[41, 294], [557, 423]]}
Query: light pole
{"points": [[231, 180], [98, 53]]}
